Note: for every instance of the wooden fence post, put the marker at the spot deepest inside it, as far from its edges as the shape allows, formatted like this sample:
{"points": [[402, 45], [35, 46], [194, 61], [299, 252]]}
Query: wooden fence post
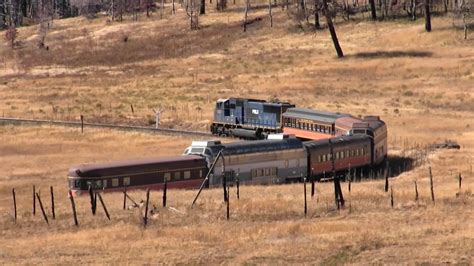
{"points": [[164, 193], [52, 202], [145, 219], [14, 203], [73, 206], [238, 188], [228, 202], [460, 182], [431, 187], [349, 185], [416, 191], [34, 200], [224, 186], [124, 198], [42, 209], [312, 182], [82, 124], [91, 195], [103, 206], [386, 177], [305, 203], [391, 196]]}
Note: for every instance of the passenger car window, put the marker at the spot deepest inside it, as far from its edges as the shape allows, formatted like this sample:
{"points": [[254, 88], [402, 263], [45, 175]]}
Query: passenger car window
{"points": [[115, 182], [126, 181], [167, 177], [187, 174]]}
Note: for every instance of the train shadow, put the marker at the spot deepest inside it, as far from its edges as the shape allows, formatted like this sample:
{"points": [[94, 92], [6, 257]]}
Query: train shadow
{"points": [[393, 166]]}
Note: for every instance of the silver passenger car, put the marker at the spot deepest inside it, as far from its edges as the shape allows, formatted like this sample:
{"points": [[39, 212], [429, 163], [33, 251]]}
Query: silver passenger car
{"points": [[254, 162]]}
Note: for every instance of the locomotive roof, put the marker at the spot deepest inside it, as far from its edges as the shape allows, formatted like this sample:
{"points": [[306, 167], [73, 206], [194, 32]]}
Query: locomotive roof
{"points": [[243, 147], [323, 116], [341, 140], [257, 101], [85, 168]]}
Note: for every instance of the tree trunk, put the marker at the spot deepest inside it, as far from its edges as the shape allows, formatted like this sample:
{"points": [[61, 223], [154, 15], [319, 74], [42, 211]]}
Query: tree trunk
{"points": [[162, 8], [317, 25], [246, 14], [270, 12], [332, 30], [202, 10], [372, 9], [427, 16]]}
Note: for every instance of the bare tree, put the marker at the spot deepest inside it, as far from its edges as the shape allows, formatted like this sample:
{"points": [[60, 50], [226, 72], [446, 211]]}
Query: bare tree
{"points": [[462, 16], [193, 13], [221, 5], [247, 7], [427, 16], [270, 12], [3, 14], [328, 13], [372, 9], [11, 35]]}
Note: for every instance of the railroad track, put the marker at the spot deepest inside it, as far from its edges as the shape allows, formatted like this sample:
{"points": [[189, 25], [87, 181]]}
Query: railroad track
{"points": [[163, 131]]}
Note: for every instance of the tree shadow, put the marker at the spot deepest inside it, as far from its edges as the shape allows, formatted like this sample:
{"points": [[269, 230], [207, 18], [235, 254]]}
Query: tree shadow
{"points": [[392, 54]]}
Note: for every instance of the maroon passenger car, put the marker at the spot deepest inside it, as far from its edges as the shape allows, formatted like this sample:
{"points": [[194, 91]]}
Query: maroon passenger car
{"points": [[178, 171], [349, 152]]}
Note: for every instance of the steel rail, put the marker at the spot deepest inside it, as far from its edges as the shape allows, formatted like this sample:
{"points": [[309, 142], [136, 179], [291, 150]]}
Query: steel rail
{"points": [[164, 131]]}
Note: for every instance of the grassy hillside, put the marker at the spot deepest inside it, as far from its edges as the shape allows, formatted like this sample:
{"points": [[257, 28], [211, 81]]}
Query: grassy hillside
{"points": [[420, 83]]}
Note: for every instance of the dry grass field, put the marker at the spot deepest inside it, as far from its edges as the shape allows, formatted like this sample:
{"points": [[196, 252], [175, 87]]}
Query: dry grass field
{"points": [[420, 83]]}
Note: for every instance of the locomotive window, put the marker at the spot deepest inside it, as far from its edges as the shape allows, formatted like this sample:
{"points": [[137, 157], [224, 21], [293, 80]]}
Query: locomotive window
{"points": [[197, 150], [187, 175], [177, 176], [273, 171], [167, 177], [267, 171], [126, 181], [115, 182]]}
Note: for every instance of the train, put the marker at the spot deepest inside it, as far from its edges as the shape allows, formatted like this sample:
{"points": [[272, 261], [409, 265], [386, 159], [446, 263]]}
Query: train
{"points": [[280, 159], [256, 119], [297, 143]]}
